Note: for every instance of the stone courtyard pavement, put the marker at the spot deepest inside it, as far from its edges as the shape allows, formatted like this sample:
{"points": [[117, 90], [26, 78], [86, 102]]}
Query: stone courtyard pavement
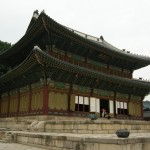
{"points": [[15, 146]]}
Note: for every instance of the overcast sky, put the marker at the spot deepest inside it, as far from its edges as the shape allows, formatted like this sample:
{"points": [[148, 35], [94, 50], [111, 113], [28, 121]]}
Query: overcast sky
{"points": [[123, 23]]}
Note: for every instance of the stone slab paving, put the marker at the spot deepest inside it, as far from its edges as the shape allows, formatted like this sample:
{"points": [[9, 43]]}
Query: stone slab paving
{"points": [[15, 146], [108, 136], [102, 138]]}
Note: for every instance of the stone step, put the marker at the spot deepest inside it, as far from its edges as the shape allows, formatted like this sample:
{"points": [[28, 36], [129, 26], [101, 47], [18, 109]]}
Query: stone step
{"points": [[91, 127], [84, 141], [3, 141]]}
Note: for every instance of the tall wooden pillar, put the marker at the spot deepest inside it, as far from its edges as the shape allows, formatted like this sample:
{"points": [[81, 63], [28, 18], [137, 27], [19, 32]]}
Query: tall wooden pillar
{"points": [[0, 104], [30, 99], [18, 107], [90, 104], [8, 104], [69, 96], [142, 97], [114, 104], [129, 98], [69, 99], [45, 99], [83, 104], [131, 74], [78, 102]]}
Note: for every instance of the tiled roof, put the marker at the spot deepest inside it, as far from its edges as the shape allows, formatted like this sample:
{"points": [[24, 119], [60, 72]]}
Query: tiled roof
{"points": [[97, 44], [39, 57]]}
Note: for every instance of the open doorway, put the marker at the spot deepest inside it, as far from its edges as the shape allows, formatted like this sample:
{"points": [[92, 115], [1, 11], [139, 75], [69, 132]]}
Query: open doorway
{"points": [[104, 104]]}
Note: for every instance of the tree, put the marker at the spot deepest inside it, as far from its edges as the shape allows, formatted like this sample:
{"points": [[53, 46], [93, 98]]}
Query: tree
{"points": [[4, 46]]}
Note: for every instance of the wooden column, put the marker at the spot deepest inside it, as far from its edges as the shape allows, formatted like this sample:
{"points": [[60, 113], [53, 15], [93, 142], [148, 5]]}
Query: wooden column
{"points": [[69, 99], [18, 107], [30, 99], [114, 104], [142, 97], [90, 104], [45, 99], [131, 72], [78, 102], [69, 96], [129, 98], [71, 91], [83, 103], [8, 104], [0, 104]]}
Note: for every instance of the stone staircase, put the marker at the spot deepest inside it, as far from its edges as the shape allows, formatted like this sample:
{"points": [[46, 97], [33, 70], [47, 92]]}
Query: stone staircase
{"points": [[77, 134], [2, 136], [7, 136], [99, 126]]}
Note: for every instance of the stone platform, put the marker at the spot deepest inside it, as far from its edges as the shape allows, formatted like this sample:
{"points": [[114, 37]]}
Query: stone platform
{"points": [[66, 133], [99, 126], [22, 123], [68, 141]]}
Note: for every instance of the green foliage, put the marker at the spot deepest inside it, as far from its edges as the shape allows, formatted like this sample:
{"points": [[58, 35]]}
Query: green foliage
{"points": [[4, 46]]}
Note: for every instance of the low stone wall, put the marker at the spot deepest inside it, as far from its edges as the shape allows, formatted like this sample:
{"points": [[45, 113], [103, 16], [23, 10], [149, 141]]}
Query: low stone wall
{"points": [[96, 127], [22, 123], [83, 142], [14, 125], [86, 126]]}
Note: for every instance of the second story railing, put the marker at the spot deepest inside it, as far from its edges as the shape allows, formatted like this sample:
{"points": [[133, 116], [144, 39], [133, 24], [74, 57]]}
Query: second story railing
{"points": [[90, 64]]}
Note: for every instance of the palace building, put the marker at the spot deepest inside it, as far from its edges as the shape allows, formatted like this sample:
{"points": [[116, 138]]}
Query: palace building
{"points": [[55, 70]]}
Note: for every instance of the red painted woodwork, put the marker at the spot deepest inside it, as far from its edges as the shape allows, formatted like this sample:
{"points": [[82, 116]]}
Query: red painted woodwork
{"points": [[45, 99], [129, 98], [30, 98], [114, 104], [8, 104], [18, 107], [69, 98], [0, 104], [142, 107], [85, 64]]}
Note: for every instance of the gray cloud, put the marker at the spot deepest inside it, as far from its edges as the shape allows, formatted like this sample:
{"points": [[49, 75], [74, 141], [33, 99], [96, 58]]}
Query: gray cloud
{"points": [[125, 24]]}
